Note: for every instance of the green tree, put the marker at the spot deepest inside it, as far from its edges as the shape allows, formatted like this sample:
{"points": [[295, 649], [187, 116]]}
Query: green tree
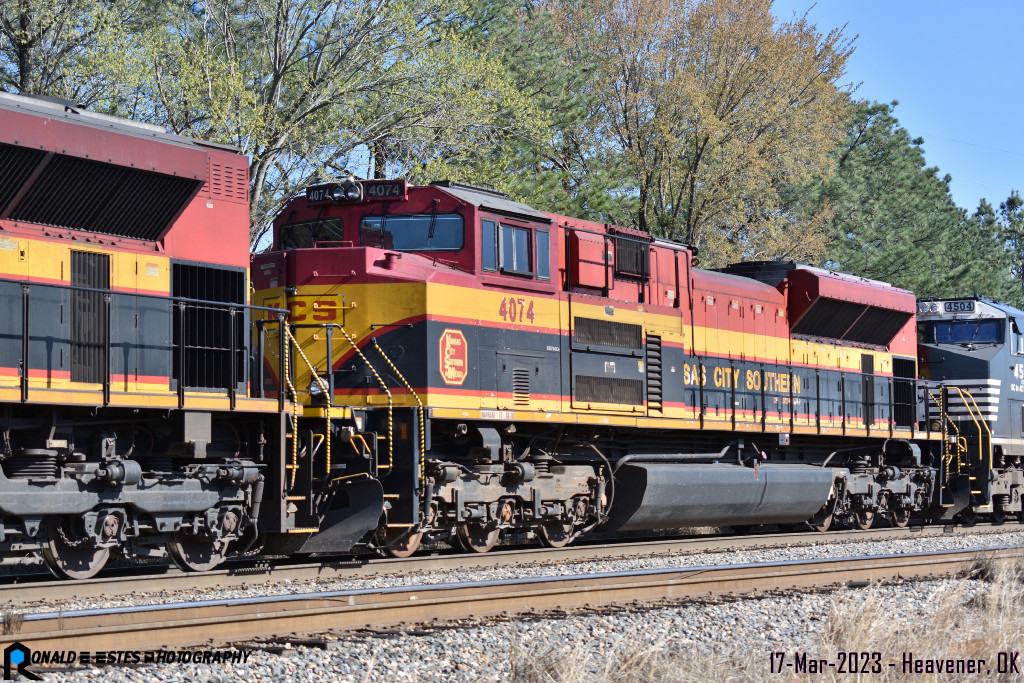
{"points": [[73, 49], [711, 106], [893, 218], [318, 89]]}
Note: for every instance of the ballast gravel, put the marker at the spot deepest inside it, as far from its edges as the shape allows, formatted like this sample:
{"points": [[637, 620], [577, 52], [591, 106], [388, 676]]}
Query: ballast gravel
{"points": [[547, 569], [746, 628]]}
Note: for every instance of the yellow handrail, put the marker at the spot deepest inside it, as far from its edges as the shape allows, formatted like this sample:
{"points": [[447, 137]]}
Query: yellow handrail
{"points": [[422, 421], [384, 386], [326, 392], [964, 395]]}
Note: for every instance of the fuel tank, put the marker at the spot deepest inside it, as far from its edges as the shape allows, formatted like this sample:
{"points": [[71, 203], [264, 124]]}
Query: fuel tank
{"points": [[672, 495]]}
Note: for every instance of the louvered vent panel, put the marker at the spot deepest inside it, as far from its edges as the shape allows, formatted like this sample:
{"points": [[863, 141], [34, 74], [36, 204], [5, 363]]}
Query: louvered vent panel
{"points": [[88, 195], [228, 183], [521, 387], [592, 332], [16, 165], [89, 319], [654, 386], [590, 389]]}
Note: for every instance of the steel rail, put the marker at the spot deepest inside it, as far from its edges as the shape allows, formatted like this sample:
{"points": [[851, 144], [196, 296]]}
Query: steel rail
{"points": [[238, 621], [37, 587]]}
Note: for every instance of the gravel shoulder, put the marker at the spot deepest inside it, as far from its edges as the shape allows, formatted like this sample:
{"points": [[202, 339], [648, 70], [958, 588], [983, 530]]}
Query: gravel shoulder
{"points": [[735, 636]]}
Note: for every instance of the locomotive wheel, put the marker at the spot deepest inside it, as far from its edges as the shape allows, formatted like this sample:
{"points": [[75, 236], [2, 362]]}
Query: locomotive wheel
{"points": [[478, 537], [901, 517], [822, 523], [399, 543], [68, 557], [191, 553], [823, 519], [555, 534], [863, 519]]}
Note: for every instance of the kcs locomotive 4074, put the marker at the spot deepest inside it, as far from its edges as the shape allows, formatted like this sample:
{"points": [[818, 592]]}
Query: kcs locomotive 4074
{"points": [[424, 362]]}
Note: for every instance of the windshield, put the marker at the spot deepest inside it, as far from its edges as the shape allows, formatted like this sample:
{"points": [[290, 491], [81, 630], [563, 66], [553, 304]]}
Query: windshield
{"points": [[306, 235], [422, 232], [968, 331]]}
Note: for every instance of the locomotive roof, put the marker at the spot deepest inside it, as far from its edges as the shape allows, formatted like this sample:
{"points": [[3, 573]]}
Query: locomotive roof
{"points": [[490, 200], [53, 107]]}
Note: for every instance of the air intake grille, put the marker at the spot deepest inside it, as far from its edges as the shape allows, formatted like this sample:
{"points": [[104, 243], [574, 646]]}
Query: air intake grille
{"points": [[591, 389], [89, 320], [81, 194], [521, 387], [654, 389], [591, 332], [16, 165], [204, 342]]}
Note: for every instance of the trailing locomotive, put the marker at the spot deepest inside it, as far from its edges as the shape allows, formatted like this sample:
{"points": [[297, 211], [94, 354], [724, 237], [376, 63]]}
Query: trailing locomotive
{"points": [[126, 421], [975, 348], [411, 363]]}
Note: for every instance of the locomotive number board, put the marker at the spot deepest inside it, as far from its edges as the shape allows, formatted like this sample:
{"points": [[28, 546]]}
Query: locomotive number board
{"points": [[959, 306], [385, 189]]}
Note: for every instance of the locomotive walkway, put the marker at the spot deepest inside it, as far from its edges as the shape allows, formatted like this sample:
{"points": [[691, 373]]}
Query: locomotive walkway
{"points": [[238, 621], [26, 588]]}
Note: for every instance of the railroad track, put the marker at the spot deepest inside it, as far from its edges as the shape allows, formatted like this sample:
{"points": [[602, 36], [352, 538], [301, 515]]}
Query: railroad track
{"points": [[241, 620], [28, 588]]}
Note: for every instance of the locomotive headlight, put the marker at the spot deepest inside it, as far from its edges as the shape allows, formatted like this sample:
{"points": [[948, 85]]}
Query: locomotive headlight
{"points": [[315, 388], [353, 191]]}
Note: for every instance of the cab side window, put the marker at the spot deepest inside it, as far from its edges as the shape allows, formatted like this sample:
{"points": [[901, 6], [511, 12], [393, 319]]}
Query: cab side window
{"points": [[515, 250], [488, 246]]}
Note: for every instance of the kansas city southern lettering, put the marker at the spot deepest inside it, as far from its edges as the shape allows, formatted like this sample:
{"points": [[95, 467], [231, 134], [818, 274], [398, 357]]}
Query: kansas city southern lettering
{"points": [[752, 380]]}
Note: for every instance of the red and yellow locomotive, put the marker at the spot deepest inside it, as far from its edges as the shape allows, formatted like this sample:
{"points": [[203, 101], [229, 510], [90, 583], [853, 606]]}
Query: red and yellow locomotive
{"points": [[511, 369]]}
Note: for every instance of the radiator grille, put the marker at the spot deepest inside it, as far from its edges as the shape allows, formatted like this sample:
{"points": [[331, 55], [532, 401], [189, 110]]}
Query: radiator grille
{"points": [[592, 332], [82, 194], [590, 389], [851, 322], [16, 165]]}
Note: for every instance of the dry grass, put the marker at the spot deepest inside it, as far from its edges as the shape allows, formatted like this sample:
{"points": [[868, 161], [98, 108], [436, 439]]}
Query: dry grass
{"points": [[12, 621], [963, 622]]}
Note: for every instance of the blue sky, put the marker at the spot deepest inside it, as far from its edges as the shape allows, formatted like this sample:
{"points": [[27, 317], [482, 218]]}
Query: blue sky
{"points": [[956, 69]]}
